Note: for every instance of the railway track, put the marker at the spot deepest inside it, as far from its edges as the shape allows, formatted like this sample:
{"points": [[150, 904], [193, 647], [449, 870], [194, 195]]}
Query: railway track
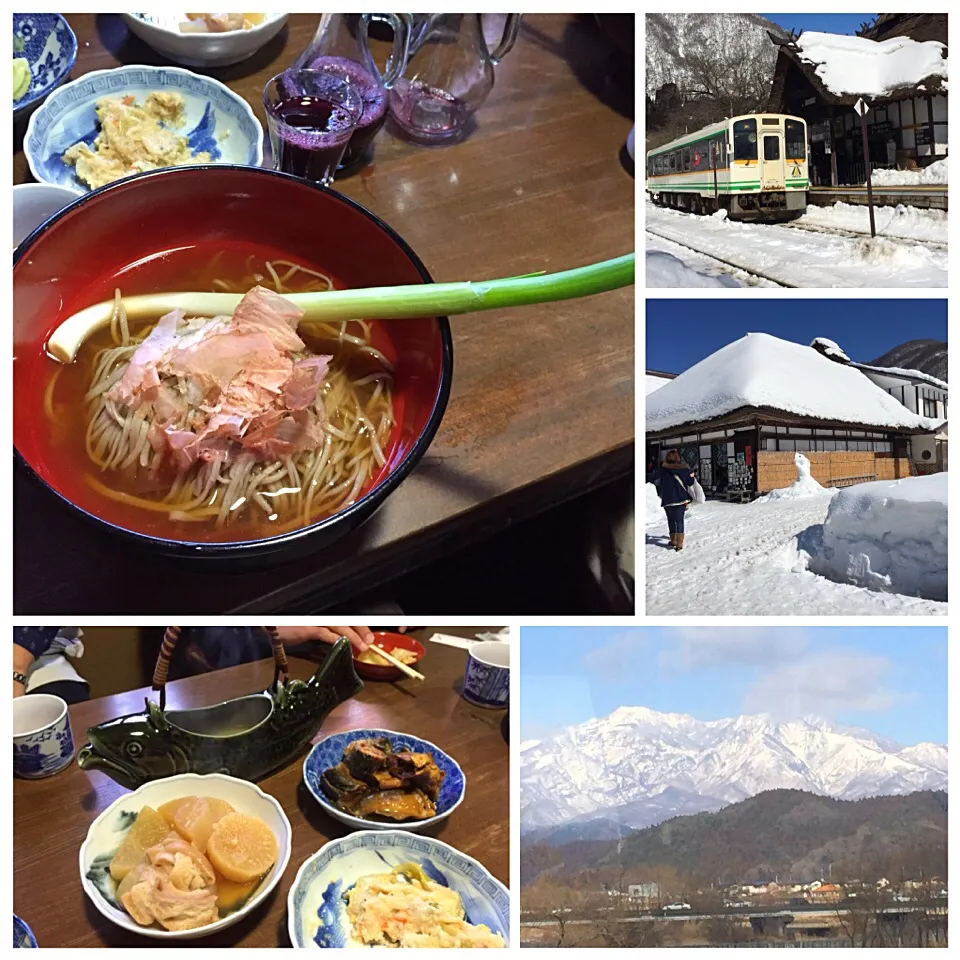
{"points": [[859, 234], [751, 271]]}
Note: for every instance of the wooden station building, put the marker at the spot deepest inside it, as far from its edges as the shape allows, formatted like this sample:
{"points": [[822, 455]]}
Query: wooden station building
{"points": [[906, 128]]}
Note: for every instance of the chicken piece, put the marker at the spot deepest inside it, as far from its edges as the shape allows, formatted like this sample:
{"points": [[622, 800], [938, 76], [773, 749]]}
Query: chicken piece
{"points": [[396, 805], [156, 899], [175, 886], [223, 22]]}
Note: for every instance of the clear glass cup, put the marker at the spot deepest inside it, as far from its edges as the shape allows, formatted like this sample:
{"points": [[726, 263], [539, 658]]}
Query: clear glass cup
{"points": [[311, 115]]}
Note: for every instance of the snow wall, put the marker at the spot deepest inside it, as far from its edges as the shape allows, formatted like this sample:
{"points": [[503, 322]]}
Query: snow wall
{"points": [[888, 536]]}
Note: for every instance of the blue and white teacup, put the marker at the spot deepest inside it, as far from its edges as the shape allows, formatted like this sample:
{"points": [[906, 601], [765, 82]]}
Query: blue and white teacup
{"points": [[487, 680], [42, 738]]}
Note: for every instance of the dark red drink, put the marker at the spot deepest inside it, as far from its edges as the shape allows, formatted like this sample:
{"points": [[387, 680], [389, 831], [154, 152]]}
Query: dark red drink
{"points": [[309, 136], [374, 103]]}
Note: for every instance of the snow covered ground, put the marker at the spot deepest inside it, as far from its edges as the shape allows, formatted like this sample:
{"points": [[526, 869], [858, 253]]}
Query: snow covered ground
{"points": [[933, 173], [797, 256], [751, 559], [909, 223]]}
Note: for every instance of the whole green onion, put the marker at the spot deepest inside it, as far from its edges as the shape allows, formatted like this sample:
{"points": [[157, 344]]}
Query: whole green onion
{"points": [[383, 303]]}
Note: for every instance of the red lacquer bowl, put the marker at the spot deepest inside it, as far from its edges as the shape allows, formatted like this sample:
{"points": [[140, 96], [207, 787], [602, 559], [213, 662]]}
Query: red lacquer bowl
{"points": [[389, 642], [74, 260]]}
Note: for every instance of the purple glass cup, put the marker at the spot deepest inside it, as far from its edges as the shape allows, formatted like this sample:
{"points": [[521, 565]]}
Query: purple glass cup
{"points": [[311, 115]]}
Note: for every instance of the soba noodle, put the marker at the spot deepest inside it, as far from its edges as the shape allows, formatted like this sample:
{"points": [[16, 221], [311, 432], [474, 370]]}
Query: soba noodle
{"points": [[290, 492]]}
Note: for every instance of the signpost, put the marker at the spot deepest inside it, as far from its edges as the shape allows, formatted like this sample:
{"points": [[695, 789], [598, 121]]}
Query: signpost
{"points": [[862, 109]]}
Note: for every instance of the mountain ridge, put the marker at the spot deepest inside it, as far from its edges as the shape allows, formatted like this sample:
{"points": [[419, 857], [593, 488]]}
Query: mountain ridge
{"points": [[638, 767]]}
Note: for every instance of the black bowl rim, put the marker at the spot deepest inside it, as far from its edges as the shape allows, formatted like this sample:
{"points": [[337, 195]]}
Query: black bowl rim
{"points": [[372, 500]]}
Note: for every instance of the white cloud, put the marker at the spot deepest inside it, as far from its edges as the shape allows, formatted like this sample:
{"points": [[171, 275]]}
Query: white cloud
{"points": [[823, 684], [618, 655], [699, 648]]}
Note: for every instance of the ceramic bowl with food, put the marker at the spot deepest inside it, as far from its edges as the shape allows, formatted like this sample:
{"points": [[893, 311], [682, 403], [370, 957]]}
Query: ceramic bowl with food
{"points": [[316, 909], [216, 122], [329, 752], [108, 831], [194, 44], [413, 653], [182, 229], [49, 46]]}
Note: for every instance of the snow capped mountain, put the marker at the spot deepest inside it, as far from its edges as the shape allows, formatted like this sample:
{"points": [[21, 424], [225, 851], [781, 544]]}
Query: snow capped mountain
{"points": [[674, 38], [639, 767]]}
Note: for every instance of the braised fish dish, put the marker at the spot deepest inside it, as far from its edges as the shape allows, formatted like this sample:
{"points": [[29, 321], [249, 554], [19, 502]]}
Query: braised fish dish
{"points": [[375, 782]]}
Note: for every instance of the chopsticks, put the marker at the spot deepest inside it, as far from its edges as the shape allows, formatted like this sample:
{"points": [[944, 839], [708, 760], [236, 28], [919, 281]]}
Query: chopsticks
{"points": [[399, 664]]}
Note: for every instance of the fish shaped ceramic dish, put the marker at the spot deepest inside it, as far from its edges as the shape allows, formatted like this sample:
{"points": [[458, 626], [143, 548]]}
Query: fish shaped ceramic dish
{"points": [[248, 737]]}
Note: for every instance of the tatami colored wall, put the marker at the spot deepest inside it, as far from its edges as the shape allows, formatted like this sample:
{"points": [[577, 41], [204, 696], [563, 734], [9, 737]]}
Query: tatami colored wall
{"points": [[775, 470]]}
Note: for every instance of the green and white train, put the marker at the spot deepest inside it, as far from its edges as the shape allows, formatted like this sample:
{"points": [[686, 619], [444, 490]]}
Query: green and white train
{"points": [[752, 166]]}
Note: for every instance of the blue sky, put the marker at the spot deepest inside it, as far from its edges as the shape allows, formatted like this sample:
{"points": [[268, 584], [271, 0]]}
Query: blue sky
{"points": [[892, 680], [865, 329], [821, 22]]}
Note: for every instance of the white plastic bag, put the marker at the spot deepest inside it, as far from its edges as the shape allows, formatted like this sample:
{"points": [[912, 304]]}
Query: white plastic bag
{"points": [[696, 493]]}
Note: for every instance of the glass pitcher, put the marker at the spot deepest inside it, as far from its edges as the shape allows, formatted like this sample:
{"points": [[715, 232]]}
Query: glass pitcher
{"points": [[449, 74], [341, 46]]}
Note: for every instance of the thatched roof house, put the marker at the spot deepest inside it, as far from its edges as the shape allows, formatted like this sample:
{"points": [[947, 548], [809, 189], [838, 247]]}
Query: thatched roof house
{"points": [[899, 67]]}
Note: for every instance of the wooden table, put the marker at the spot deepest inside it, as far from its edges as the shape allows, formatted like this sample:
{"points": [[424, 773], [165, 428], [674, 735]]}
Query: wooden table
{"points": [[52, 816], [542, 404]]}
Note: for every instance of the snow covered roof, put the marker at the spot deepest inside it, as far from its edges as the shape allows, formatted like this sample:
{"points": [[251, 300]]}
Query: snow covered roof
{"points": [[906, 374], [654, 382], [763, 371], [844, 68], [831, 348]]}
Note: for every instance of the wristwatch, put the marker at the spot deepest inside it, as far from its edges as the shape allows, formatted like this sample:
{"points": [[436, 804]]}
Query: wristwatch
{"points": [[19, 678]]}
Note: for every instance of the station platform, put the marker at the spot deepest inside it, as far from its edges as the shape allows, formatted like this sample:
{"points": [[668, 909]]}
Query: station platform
{"points": [[930, 196]]}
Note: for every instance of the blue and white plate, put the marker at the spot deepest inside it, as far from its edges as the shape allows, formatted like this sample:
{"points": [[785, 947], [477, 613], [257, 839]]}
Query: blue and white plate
{"points": [[317, 912], [48, 44], [22, 934], [217, 120], [329, 752]]}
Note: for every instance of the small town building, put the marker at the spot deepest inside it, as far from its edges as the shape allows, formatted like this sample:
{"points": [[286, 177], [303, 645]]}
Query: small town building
{"points": [[644, 896], [740, 415], [825, 893], [898, 67]]}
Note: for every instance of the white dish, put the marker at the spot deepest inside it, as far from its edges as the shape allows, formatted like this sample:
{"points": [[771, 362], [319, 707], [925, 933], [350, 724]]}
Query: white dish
{"points": [[34, 204], [107, 832], [217, 120], [317, 912], [206, 49]]}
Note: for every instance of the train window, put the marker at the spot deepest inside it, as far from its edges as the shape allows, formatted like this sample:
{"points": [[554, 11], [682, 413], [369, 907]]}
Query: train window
{"points": [[673, 162], [771, 148], [686, 158], [745, 139], [796, 138]]}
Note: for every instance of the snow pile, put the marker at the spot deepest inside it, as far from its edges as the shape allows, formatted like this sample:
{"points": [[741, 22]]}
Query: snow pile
{"points": [[830, 348], [908, 223], [666, 270], [861, 67], [803, 486], [760, 370], [652, 509], [888, 536], [892, 255], [935, 173], [652, 383]]}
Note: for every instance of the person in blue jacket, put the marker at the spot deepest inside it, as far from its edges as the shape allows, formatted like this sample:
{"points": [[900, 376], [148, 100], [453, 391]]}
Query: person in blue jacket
{"points": [[672, 479]]}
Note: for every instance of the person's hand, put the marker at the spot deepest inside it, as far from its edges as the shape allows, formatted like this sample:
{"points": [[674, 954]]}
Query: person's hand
{"points": [[359, 637], [22, 658]]}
